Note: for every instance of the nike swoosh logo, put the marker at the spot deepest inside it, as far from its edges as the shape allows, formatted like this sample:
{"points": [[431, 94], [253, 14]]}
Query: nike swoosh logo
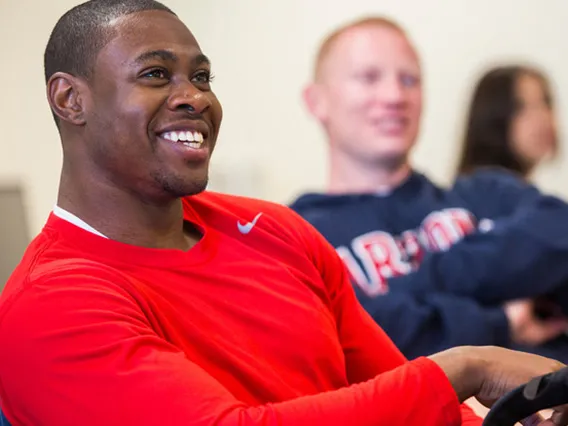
{"points": [[247, 227]]}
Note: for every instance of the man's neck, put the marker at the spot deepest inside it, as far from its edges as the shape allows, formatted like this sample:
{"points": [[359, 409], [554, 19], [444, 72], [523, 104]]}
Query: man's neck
{"points": [[123, 217], [347, 176]]}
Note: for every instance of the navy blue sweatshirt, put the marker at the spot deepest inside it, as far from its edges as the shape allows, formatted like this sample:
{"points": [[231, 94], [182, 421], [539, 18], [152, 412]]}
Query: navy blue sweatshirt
{"points": [[433, 266]]}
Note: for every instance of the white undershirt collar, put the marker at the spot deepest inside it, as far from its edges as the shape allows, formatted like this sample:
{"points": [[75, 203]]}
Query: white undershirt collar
{"points": [[70, 217]]}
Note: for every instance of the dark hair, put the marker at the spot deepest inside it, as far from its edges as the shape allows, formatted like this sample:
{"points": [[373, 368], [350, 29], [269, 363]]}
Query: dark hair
{"points": [[493, 106], [80, 34]]}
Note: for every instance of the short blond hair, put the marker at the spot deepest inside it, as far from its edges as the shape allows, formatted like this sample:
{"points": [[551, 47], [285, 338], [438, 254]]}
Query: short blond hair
{"points": [[331, 39]]}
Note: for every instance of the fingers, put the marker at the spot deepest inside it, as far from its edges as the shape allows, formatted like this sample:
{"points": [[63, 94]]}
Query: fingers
{"points": [[558, 418], [551, 328], [534, 420]]}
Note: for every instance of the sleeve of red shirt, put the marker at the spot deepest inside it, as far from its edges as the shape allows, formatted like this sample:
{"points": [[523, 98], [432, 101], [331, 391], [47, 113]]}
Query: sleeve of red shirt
{"points": [[370, 352], [78, 350]]}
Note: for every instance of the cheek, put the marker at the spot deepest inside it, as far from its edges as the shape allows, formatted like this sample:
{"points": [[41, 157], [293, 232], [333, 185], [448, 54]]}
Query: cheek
{"points": [[521, 140], [415, 101], [134, 118], [128, 121], [348, 116], [117, 110], [216, 112], [129, 125], [525, 128], [140, 105], [350, 98]]}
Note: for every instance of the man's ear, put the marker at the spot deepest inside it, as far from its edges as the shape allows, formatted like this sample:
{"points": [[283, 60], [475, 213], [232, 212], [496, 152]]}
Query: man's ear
{"points": [[65, 96], [315, 101]]}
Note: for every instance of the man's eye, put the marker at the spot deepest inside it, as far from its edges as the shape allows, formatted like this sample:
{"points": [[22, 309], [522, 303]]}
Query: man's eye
{"points": [[203, 77], [409, 80], [369, 77], [157, 73]]}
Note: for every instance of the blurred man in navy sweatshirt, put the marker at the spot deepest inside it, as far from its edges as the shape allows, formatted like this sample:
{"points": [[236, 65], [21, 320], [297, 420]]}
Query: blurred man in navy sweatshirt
{"points": [[436, 268]]}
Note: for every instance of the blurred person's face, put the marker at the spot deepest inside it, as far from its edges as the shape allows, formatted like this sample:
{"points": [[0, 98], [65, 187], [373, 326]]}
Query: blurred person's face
{"points": [[533, 129], [369, 96]]}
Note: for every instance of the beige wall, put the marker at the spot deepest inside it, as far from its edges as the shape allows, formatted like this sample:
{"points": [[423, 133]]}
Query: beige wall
{"points": [[261, 52], [14, 231]]}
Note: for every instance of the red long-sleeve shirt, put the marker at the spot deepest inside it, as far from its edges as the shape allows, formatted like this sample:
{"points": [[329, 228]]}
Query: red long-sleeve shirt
{"points": [[245, 328]]}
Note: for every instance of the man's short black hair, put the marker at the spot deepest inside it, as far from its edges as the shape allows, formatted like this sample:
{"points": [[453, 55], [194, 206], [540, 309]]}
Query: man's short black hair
{"points": [[80, 34]]}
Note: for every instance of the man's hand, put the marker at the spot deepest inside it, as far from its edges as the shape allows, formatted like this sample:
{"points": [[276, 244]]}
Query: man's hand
{"points": [[503, 370], [488, 372], [559, 417], [527, 329]]}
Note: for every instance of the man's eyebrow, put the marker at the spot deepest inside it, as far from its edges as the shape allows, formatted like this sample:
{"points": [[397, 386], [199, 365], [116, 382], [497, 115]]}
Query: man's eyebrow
{"points": [[164, 55], [201, 59]]}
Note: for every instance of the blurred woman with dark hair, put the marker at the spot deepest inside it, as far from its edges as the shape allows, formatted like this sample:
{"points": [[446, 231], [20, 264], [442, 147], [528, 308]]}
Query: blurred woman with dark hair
{"points": [[511, 122], [511, 125]]}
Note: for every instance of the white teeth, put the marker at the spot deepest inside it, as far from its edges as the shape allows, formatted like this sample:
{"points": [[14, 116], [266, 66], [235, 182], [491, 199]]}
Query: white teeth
{"points": [[184, 136], [194, 145]]}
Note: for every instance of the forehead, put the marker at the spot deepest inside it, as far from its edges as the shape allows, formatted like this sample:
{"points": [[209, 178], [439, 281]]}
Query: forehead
{"points": [[373, 45], [529, 84], [146, 31]]}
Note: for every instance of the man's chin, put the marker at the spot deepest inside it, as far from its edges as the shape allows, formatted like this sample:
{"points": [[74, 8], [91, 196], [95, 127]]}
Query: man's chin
{"points": [[185, 187], [391, 159], [196, 187]]}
